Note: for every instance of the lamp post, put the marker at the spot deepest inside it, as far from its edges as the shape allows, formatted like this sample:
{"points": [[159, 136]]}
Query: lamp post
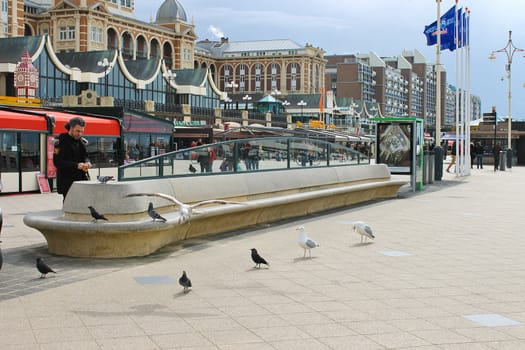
{"points": [[285, 104], [246, 99], [302, 104], [509, 50], [107, 66], [232, 85], [170, 76]]}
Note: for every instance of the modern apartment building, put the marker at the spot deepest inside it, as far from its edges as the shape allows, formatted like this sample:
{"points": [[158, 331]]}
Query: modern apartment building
{"points": [[402, 86]]}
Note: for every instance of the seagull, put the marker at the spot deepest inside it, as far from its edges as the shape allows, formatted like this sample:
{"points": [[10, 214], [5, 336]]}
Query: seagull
{"points": [[43, 268], [153, 213], [186, 210], [361, 228], [185, 282], [305, 242], [192, 169], [105, 179], [96, 216], [257, 259], [364, 230]]}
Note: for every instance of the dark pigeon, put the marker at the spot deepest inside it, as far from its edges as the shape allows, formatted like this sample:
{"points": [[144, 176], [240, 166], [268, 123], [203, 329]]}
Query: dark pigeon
{"points": [[96, 216], [43, 268], [257, 259], [192, 169], [105, 179], [185, 282], [153, 213]]}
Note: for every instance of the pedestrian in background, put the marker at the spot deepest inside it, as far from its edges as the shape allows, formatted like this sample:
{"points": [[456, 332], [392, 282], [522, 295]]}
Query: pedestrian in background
{"points": [[452, 157], [479, 155], [496, 150]]}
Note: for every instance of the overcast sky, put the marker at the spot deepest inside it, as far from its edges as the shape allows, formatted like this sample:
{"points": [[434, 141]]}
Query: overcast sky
{"points": [[386, 27]]}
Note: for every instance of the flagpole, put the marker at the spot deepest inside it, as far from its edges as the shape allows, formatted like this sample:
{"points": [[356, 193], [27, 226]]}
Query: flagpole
{"points": [[467, 48], [457, 127], [438, 151], [438, 75]]}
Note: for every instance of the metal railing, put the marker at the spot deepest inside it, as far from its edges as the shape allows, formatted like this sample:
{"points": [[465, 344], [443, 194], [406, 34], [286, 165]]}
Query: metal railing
{"points": [[244, 155]]}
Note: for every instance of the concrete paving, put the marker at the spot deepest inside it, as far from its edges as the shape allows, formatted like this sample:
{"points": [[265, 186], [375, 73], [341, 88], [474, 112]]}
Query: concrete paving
{"points": [[446, 271]]}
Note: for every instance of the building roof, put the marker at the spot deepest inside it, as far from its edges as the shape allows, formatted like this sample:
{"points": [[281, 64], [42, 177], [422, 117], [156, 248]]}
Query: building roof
{"points": [[193, 77], [12, 49], [85, 61], [170, 11], [143, 69], [225, 47]]}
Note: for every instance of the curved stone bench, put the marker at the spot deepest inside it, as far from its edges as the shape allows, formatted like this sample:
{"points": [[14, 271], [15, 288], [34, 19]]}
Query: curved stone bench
{"points": [[265, 196]]}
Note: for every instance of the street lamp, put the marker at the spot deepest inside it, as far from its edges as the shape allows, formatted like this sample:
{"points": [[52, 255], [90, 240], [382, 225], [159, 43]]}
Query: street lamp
{"points": [[302, 104], [170, 75], [509, 49], [107, 66], [232, 85], [226, 101], [246, 99]]}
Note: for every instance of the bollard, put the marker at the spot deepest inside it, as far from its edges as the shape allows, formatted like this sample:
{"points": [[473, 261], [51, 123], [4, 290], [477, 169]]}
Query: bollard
{"points": [[438, 158], [502, 160], [431, 170], [426, 167]]}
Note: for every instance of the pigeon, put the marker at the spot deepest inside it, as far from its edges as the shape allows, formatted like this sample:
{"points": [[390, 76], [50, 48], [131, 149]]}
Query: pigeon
{"points": [[192, 168], [185, 282], [105, 179], [96, 216], [153, 213], [43, 268], [186, 210], [305, 242], [257, 259]]}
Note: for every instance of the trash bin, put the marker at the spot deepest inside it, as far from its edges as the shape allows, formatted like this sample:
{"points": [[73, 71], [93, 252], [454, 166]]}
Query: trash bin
{"points": [[502, 160], [509, 158]]}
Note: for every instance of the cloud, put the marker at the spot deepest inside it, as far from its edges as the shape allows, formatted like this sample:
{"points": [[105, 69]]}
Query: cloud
{"points": [[217, 32]]}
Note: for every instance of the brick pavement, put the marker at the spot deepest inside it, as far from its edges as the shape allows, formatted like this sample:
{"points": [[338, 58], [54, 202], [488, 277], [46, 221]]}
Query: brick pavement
{"points": [[445, 272]]}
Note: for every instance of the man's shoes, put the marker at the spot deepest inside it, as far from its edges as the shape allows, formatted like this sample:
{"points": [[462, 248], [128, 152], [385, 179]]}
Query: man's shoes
{"points": [[448, 171]]}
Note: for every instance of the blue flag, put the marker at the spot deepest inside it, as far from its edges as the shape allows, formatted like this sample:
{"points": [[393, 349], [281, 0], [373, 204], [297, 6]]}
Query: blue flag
{"points": [[448, 28]]}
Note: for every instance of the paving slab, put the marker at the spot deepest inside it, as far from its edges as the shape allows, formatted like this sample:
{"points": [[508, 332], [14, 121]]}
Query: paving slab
{"points": [[446, 271]]}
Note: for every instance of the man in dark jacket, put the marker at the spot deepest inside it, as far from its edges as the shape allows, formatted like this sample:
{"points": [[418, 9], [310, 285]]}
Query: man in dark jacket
{"points": [[70, 156]]}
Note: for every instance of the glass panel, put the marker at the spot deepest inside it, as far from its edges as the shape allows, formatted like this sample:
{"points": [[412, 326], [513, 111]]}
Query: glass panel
{"points": [[254, 154], [8, 152], [30, 152]]}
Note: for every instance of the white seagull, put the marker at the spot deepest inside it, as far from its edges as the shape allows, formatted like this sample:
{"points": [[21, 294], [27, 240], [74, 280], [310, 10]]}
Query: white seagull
{"points": [[305, 242], [361, 228], [186, 210], [364, 230]]}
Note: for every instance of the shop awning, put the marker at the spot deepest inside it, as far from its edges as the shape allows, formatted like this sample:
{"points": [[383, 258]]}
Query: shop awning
{"points": [[11, 120], [95, 126]]}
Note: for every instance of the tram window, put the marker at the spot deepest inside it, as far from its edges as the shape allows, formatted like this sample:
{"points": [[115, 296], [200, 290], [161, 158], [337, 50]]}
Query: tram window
{"points": [[8, 152], [30, 153]]}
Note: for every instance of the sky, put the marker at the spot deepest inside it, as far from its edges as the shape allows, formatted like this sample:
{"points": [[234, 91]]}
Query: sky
{"points": [[385, 27]]}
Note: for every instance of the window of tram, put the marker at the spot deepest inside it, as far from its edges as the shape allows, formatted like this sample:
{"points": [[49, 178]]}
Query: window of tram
{"points": [[8, 152], [30, 151], [103, 151]]}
